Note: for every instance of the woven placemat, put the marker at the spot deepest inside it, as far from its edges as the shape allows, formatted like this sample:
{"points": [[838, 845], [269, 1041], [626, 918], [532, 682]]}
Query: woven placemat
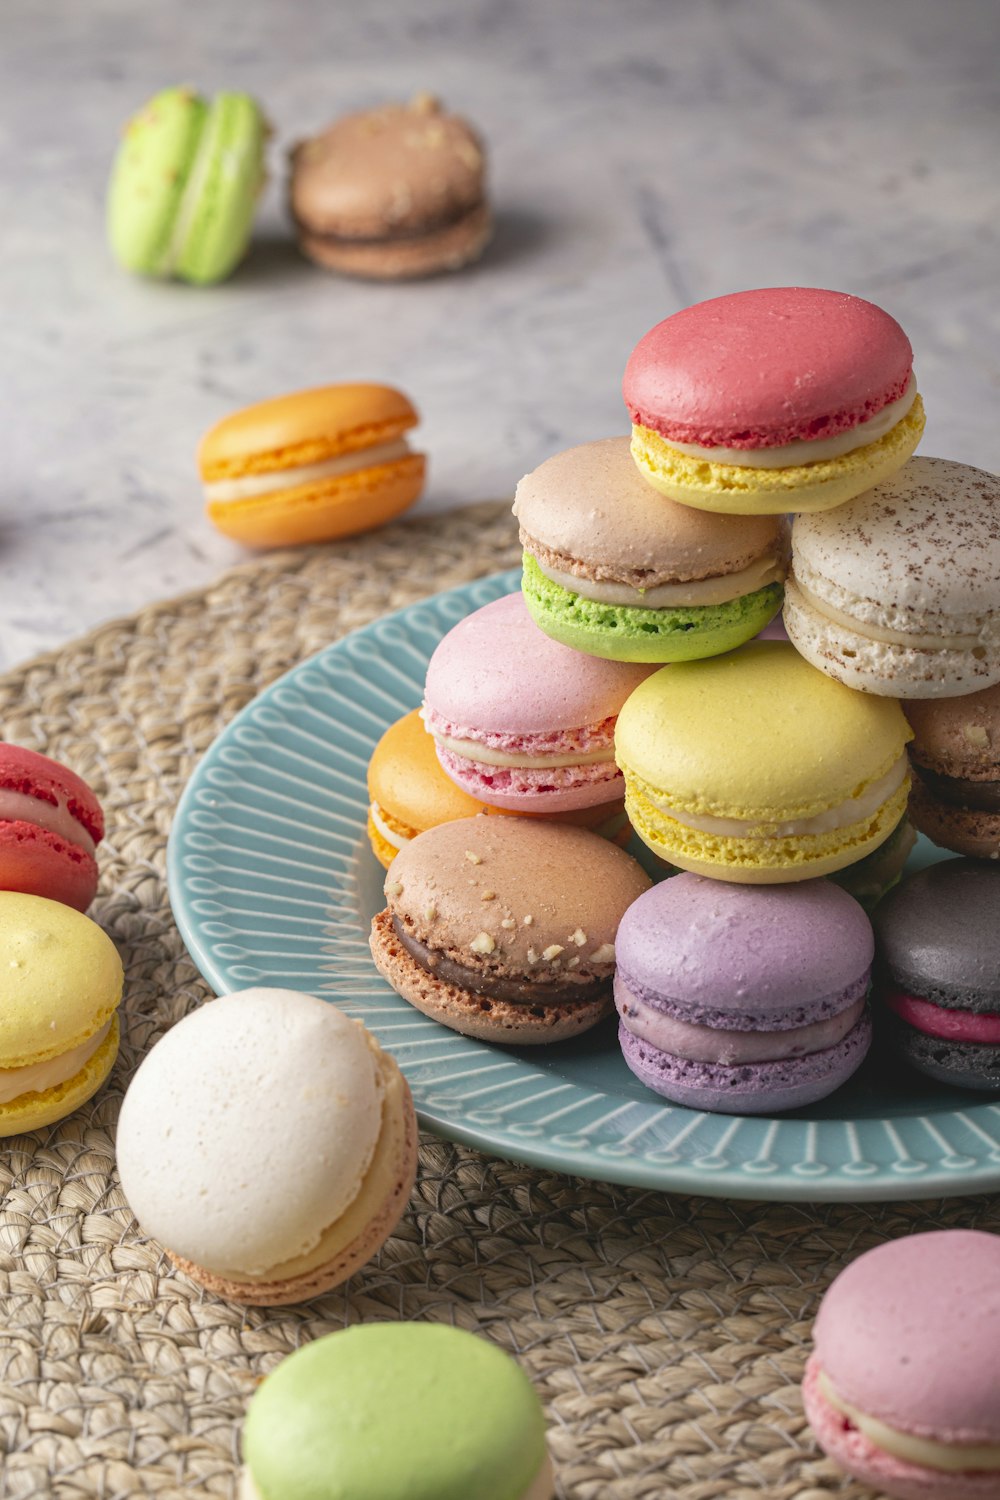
{"points": [[666, 1335]]}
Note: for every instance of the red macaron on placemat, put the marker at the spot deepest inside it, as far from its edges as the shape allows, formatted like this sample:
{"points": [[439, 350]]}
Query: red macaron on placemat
{"points": [[667, 1335]]}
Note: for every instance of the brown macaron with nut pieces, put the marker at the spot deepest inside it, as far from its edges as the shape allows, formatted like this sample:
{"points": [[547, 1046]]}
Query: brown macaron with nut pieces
{"points": [[955, 755], [392, 193], [504, 929]]}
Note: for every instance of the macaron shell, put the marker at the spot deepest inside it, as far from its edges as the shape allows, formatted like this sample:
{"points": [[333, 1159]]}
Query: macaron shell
{"points": [[149, 175], [33, 1110], [218, 234], [446, 249], [963, 830], [938, 934], [28, 772], [739, 490], [338, 507], [40, 863], [766, 367], [957, 736], [962, 1065], [406, 780]]}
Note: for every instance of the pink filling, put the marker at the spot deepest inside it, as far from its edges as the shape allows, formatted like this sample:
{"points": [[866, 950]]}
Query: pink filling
{"points": [[949, 1025], [588, 737]]}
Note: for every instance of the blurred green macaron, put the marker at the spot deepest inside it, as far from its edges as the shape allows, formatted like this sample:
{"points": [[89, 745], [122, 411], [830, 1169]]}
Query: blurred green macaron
{"points": [[185, 184]]}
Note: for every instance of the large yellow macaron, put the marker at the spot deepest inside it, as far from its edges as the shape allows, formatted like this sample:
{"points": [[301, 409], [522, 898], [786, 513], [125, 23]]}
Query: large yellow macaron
{"points": [[311, 466], [60, 986], [756, 768]]}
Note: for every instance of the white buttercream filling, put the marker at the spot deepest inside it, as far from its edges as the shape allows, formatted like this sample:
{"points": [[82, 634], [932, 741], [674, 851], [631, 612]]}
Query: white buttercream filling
{"points": [[951, 1457], [472, 750], [250, 486], [396, 840], [808, 450], [854, 810], [717, 590], [915, 641], [35, 1078], [19, 807]]}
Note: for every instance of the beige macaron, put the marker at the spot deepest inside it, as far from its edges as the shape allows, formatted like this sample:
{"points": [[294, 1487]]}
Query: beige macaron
{"points": [[392, 192], [269, 1144]]}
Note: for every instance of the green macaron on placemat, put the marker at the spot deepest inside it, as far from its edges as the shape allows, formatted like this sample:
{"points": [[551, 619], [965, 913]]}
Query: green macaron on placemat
{"points": [[273, 882]]}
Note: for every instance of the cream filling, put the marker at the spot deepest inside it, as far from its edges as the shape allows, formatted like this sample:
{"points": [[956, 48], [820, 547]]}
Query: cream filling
{"points": [[854, 810], [716, 590], [188, 207], [808, 450], [35, 1078], [397, 840], [472, 750], [888, 637], [542, 1487], [251, 486], [953, 1458], [19, 807]]}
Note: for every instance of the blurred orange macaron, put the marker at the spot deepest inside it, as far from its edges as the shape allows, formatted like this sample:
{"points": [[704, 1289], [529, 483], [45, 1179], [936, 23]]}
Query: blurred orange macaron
{"points": [[311, 466], [409, 793]]}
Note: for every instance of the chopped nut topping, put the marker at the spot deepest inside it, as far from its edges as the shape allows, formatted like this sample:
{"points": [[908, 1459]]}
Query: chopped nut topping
{"points": [[488, 896], [430, 912], [425, 103], [976, 735], [527, 920], [553, 951], [473, 858], [605, 954], [482, 943], [532, 956], [508, 923], [572, 962], [579, 937], [394, 887]]}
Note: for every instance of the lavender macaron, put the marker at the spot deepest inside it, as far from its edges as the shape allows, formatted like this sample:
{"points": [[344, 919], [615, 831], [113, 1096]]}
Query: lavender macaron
{"points": [[743, 999]]}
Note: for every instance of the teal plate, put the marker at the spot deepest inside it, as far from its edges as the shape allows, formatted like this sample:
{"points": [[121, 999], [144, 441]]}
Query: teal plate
{"points": [[273, 883]]}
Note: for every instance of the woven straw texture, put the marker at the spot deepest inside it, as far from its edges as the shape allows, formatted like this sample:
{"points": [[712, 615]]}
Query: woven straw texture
{"points": [[666, 1335]]}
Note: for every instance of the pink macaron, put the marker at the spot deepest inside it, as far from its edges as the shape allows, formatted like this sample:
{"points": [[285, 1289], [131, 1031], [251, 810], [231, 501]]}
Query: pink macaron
{"points": [[520, 721], [781, 399], [903, 1389], [50, 826]]}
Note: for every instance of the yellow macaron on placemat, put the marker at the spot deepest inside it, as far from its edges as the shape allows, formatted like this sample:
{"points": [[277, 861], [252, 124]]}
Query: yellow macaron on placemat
{"points": [[665, 1334]]}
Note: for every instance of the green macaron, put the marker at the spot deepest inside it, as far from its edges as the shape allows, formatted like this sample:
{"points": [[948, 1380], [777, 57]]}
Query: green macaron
{"points": [[185, 184], [614, 569], [396, 1411]]}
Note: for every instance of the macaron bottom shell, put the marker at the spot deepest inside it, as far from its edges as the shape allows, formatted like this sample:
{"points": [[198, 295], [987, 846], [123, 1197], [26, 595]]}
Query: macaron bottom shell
{"points": [[964, 1065], [448, 247], [964, 830], [740, 490], [230, 167], [624, 633], [40, 863], [758, 1088], [323, 512], [33, 1110]]}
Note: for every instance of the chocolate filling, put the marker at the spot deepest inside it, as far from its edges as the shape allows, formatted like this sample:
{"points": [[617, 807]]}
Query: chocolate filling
{"points": [[493, 986], [393, 237], [958, 791]]}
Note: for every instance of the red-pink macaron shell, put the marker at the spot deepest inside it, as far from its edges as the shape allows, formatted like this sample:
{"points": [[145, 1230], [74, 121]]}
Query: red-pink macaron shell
{"points": [[39, 863], [35, 775], [38, 860], [497, 673], [909, 1334], [762, 368]]}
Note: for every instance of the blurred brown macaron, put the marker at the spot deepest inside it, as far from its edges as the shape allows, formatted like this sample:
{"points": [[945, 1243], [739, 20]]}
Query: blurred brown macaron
{"points": [[955, 754], [391, 193]]}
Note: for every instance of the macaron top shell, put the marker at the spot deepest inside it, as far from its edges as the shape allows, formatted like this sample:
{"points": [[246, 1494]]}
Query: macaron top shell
{"points": [[747, 957], [303, 427], [158, 146], [762, 368], [248, 1128], [395, 1411], [910, 1334], [938, 933], [508, 891], [957, 736], [60, 980], [920, 549], [591, 504], [33, 775], [496, 672], [757, 734]]}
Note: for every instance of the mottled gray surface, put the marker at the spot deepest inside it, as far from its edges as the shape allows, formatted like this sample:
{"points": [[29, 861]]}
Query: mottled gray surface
{"points": [[646, 154]]}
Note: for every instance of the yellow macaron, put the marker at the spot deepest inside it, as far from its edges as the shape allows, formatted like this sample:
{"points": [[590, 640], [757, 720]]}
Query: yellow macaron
{"points": [[60, 986], [749, 767], [311, 466]]}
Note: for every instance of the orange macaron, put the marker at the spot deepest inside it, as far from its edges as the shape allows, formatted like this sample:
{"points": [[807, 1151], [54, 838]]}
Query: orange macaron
{"points": [[408, 793], [311, 466]]}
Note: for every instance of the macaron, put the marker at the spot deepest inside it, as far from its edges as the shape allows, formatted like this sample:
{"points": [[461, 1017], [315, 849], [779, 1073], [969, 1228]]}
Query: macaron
{"points": [[269, 1144], [955, 756], [613, 569], [60, 987], [775, 400], [753, 767], [396, 1411], [504, 928], [312, 466], [185, 184], [741, 999], [409, 792], [901, 1389], [521, 721], [393, 192], [897, 593], [50, 826], [938, 968]]}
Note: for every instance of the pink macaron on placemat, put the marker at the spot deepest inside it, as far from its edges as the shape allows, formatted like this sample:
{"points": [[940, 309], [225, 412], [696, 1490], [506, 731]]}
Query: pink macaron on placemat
{"points": [[666, 1333]]}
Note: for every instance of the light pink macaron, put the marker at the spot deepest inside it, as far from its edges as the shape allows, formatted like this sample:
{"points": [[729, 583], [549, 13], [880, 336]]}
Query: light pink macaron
{"points": [[903, 1390], [521, 722]]}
